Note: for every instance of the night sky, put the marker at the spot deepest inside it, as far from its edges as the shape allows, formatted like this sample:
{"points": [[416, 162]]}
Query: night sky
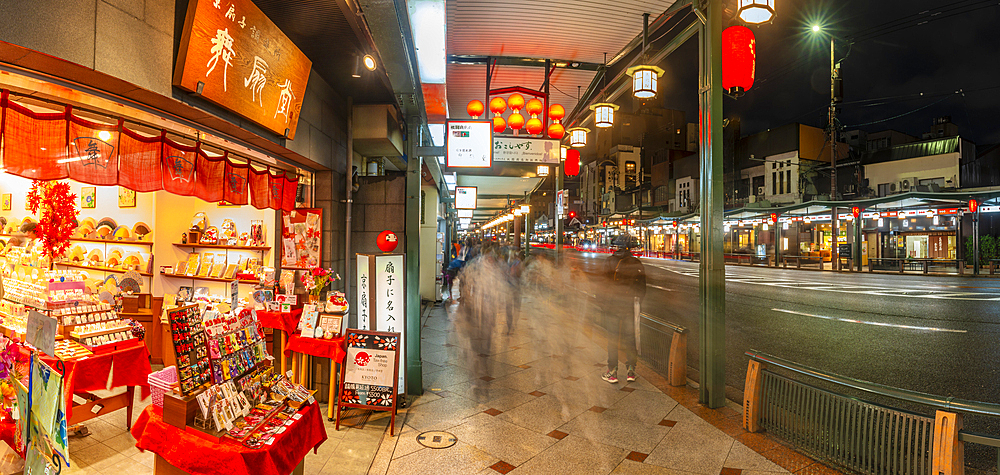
{"points": [[957, 48]]}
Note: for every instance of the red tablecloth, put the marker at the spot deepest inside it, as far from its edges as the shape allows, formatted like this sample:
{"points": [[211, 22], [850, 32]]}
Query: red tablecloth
{"points": [[128, 366], [333, 349], [199, 456], [283, 321]]}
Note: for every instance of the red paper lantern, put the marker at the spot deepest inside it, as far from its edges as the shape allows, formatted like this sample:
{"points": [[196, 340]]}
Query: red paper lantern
{"points": [[534, 107], [973, 205], [516, 102], [499, 125], [572, 165], [516, 121], [556, 131], [475, 108], [498, 105], [774, 218], [556, 112], [856, 211], [534, 126], [387, 241], [739, 57]]}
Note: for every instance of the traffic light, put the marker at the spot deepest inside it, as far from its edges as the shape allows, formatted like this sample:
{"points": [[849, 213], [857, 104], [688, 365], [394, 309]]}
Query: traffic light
{"points": [[572, 214]]}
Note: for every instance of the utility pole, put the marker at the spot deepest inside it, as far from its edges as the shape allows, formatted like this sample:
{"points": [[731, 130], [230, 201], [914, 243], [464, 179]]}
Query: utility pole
{"points": [[834, 250]]}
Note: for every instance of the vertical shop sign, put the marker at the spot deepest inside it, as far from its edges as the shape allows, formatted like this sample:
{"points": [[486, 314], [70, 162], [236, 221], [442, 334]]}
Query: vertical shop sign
{"points": [[364, 283], [233, 55], [391, 301]]}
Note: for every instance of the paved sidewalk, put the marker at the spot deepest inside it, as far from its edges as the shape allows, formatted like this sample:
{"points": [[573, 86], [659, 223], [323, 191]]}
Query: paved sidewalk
{"points": [[535, 403]]}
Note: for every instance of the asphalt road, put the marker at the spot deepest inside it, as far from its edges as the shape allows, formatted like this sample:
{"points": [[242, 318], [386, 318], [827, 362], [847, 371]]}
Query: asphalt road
{"points": [[938, 335]]}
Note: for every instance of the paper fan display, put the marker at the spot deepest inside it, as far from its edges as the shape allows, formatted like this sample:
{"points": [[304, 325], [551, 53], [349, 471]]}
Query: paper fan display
{"points": [[121, 233], [78, 254], [113, 261], [142, 231], [95, 258], [106, 296], [110, 222], [132, 275], [104, 231], [88, 222], [129, 285], [200, 221], [83, 231], [132, 261]]}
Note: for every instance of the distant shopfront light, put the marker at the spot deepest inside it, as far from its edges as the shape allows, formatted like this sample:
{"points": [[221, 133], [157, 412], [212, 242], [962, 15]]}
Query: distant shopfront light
{"points": [[542, 170]]}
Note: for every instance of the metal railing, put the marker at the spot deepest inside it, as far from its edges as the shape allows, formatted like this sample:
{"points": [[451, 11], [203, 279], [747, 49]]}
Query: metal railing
{"points": [[864, 437], [664, 346], [859, 435], [914, 265]]}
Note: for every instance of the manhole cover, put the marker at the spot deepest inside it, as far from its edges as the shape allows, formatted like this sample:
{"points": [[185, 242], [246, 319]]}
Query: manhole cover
{"points": [[437, 439]]}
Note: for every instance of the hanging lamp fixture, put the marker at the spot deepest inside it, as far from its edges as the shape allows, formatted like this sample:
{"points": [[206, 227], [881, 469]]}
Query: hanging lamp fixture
{"points": [[644, 76]]}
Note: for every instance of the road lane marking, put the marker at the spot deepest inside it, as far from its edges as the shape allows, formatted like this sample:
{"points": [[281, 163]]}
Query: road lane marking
{"points": [[866, 322], [659, 288]]}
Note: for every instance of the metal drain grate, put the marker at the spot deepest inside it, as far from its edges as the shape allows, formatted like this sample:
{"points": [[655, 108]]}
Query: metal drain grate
{"points": [[437, 439]]}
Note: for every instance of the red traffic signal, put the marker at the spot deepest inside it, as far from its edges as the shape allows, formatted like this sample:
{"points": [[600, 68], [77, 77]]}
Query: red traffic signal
{"points": [[572, 214], [973, 205]]}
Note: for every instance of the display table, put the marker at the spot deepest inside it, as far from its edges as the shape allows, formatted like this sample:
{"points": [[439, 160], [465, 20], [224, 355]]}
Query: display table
{"points": [[127, 364], [194, 454], [320, 348], [286, 323]]}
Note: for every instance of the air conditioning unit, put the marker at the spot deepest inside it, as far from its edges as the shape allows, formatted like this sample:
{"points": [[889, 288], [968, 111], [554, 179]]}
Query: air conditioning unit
{"points": [[760, 190], [904, 185], [893, 187]]}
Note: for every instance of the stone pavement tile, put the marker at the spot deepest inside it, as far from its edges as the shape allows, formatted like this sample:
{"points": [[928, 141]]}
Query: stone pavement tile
{"points": [[123, 444], [757, 442], [405, 442], [144, 458], [743, 457], [424, 398], [574, 455], [380, 464], [127, 466], [522, 356], [543, 414], [642, 384], [481, 391], [509, 401], [502, 439], [646, 407], [620, 431], [459, 458], [692, 446], [817, 469], [629, 467], [502, 467], [787, 458], [524, 381], [588, 391], [448, 377], [443, 413], [101, 430]]}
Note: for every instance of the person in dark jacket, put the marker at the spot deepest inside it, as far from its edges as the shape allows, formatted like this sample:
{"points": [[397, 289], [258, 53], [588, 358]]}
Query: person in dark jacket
{"points": [[626, 285]]}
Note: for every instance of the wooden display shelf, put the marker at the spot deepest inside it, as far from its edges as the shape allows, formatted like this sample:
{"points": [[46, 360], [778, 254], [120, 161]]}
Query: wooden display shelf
{"points": [[208, 279], [80, 336], [106, 241], [221, 246], [104, 269]]}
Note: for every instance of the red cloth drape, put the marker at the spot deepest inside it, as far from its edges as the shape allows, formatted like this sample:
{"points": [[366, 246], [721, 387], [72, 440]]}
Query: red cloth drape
{"points": [[288, 192], [333, 349], [209, 177], [199, 456], [237, 176], [34, 143], [179, 163], [92, 159], [128, 366], [260, 188], [54, 146], [140, 168], [284, 321]]}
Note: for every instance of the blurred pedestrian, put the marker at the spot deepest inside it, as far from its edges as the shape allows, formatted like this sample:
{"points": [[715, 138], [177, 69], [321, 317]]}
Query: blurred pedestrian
{"points": [[626, 279]]}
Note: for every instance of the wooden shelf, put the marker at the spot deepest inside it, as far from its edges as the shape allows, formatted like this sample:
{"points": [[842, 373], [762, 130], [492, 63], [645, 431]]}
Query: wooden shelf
{"points": [[208, 279], [104, 241], [220, 246], [104, 269], [81, 336]]}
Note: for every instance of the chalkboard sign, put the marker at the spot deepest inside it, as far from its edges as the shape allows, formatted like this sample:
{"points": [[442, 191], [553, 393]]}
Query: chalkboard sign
{"points": [[844, 250], [370, 374]]}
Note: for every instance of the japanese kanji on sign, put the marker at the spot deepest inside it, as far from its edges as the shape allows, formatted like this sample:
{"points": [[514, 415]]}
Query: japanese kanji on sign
{"points": [[234, 56], [382, 298]]}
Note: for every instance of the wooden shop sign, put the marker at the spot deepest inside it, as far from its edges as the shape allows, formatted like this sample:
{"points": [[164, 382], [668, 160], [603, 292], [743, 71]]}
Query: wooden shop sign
{"points": [[234, 56]]}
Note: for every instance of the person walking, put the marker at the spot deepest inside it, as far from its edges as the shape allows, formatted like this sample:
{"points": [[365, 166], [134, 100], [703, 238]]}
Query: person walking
{"points": [[626, 285]]}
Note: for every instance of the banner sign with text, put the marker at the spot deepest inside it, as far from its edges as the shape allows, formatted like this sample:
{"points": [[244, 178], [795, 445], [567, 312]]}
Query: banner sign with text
{"points": [[382, 298], [233, 55], [468, 142], [514, 149], [370, 372]]}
